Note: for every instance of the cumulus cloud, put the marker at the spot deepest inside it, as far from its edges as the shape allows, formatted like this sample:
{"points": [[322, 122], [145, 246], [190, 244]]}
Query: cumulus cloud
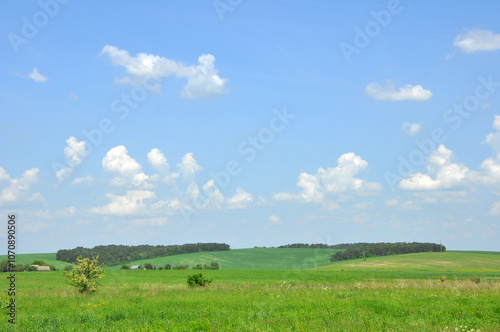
{"points": [[37, 77], [475, 40], [132, 203], [17, 189], [411, 129], [391, 92], [157, 160], [188, 167], [75, 154], [128, 170], [439, 163], [338, 181], [240, 200], [202, 79]]}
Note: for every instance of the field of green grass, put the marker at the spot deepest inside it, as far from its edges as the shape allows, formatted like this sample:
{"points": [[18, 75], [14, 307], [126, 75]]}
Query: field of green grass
{"points": [[450, 261], [249, 259], [344, 296], [29, 258]]}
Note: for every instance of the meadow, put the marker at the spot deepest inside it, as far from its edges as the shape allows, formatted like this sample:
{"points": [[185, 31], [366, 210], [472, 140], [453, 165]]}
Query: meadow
{"points": [[393, 293]]}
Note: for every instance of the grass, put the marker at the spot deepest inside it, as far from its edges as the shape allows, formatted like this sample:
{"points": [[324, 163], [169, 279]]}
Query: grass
{"points": [[49, 258], [249, 259], [256, 301], [452, 261], [402, 293]]}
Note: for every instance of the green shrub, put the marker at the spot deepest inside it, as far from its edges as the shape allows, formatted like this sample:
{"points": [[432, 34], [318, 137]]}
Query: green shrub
{"points": [[125, 267], [198, 280], [181, 267], [85, 275], [476, 279], [443, 278], [68, 268]]}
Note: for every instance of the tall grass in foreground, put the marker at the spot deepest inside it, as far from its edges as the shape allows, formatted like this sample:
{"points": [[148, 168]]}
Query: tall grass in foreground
{"points": [[257, 301]]}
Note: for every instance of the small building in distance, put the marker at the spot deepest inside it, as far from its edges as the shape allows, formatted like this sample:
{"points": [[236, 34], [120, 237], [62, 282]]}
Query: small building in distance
{"points": [[42, 268]]}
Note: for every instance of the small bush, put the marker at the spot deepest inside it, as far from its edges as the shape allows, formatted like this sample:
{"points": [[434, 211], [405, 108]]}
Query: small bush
{"points": [[68, 268], [125, 267], [181, 267], [443, 278], [476, 279], [198, 280]]}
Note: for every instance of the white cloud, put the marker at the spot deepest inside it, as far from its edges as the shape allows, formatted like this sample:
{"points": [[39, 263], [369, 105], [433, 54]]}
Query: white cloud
{"points": [[83, 180], [188, 167], [240, 200], [411, 129], [158, 160], [493, 139], [495, 209], [75, 154], [334, 180], [391, 92], [477, 40], [128, 169], [274, 220], [214, 197], [132, 203], [202, 79], [17, 189], [193, 191], [37, 77], [447, 174]]}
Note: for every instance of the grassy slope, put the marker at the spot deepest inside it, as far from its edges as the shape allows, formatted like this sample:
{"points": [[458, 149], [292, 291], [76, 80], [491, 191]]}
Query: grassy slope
{"points": [[274, 259], [248, 259], [29, 258], [455, 261]]}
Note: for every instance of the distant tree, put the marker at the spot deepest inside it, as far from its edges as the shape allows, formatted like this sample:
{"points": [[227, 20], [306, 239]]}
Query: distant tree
{"points": [[214, 266], [85, 275], [68, 268], [125, 267], [148, 266], [168, 267], [181, 267], [39, 263], [160, 267]]}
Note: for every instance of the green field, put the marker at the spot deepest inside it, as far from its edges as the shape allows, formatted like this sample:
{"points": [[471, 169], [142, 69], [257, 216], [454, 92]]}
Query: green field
{"points": [[29, 258], [249, 259], [450, 261], [393, 293]]}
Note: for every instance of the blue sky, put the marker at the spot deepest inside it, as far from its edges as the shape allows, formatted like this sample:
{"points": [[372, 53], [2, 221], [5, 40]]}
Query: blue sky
{"points": [[254, 123]]}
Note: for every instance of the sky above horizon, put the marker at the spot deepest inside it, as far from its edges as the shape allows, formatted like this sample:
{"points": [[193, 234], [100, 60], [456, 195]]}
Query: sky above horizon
{"points": [[253, 123]]}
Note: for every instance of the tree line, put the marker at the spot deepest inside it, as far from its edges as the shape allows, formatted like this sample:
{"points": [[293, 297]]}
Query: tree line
{"points": [[360, 250], [116, 254]]}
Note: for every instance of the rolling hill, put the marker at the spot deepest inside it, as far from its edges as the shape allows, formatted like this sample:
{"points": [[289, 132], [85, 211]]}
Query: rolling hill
{"points": [[455, 261]]}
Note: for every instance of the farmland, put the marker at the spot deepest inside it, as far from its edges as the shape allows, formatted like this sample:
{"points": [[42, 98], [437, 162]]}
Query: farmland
{"points": [[392, 293]]}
